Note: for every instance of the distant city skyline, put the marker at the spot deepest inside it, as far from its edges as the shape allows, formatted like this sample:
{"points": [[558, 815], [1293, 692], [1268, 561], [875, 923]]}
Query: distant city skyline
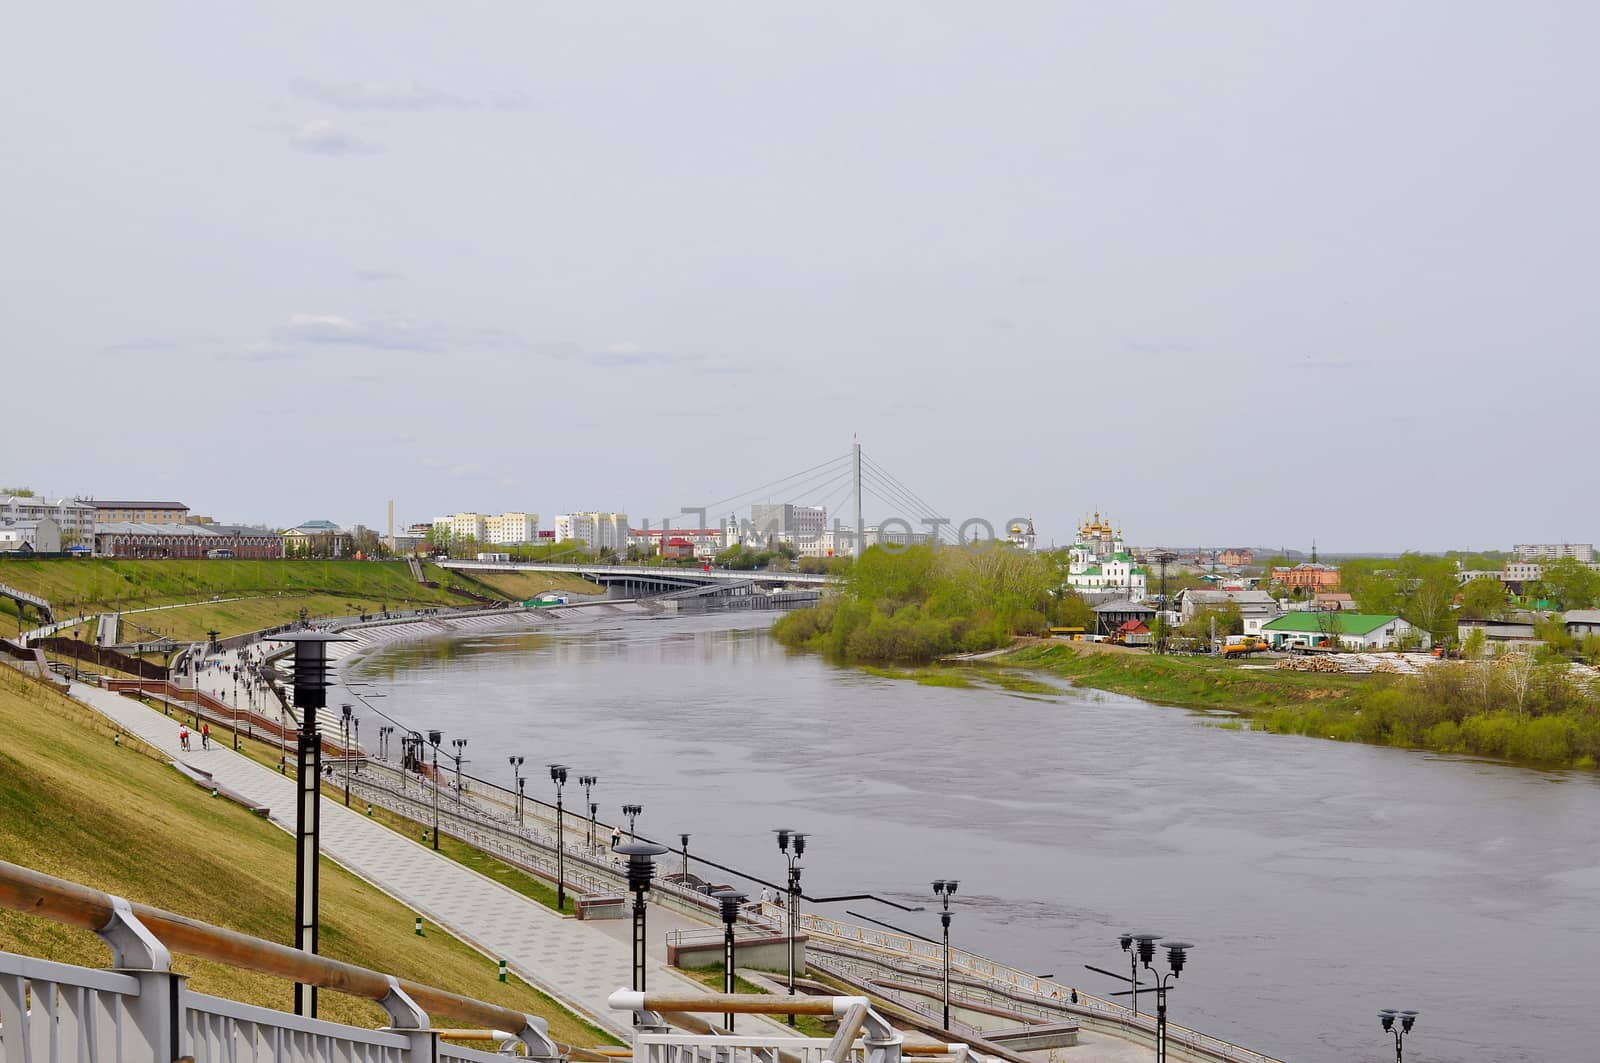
{"points": [[1234, 272]]}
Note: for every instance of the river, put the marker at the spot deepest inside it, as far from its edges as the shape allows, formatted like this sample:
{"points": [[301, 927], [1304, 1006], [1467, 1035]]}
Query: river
{"points": [[1320, 881]]}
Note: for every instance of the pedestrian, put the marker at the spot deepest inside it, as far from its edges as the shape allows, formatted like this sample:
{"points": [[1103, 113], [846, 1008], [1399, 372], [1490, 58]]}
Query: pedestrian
{"points": [[616, 837], [183, 737], [205, 736]]}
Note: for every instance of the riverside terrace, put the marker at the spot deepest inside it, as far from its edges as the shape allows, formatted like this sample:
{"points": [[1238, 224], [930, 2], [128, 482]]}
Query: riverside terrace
{"points": [[579, 962]]}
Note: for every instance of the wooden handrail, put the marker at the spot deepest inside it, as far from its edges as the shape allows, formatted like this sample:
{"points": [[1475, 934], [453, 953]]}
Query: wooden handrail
{"points": [[25, 890], [849, 1027]]}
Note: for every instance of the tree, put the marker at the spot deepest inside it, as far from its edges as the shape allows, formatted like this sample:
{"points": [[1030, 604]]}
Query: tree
{"points": [[1518, 670], [1477, 642], [1483, 598], [1571, 582]]}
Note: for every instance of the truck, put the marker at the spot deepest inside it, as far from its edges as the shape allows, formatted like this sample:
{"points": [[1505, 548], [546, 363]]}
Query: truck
{"points": [[1244, 646]]}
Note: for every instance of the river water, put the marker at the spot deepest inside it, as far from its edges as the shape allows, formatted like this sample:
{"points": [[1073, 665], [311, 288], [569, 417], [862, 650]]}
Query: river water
{"points": [[1320, 881]]}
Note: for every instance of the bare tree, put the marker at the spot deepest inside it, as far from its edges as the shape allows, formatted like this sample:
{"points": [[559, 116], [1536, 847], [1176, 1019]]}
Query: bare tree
{"points": [[1518, 670]]}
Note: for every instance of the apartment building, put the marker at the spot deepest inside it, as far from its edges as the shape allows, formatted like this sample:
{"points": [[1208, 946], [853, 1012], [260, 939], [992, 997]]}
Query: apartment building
{"points": [[504, 529], [74, 518], [1550, 551], [594, 529], [108, 511]]}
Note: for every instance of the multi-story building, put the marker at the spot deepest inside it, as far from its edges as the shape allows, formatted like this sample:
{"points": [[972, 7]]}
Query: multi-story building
{"points": [[318, 538], [511, 529], [1099, 562], [187, 541], [1235, 557], [1550, 551], [1308, 576], [594, 529], [505, 529], [787, 523], [75, 518], [42, 536], [109, 511]]}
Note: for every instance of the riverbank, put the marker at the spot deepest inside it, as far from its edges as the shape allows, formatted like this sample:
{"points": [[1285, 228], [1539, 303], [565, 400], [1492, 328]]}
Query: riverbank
{"points": [[1541, 716]]}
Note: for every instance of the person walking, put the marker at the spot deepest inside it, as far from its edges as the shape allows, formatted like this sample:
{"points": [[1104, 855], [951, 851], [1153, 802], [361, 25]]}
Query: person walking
{"points": [[183, 737], [205, 736], [616, 837]]}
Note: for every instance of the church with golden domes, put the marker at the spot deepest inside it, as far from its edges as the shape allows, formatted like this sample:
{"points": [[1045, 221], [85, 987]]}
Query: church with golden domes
{"points": [[1099, 562]]}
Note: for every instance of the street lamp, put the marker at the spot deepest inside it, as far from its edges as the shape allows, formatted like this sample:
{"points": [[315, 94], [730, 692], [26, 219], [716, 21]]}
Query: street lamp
{"points": [[792, 858], [558, 775], [310, 695], [516, 785], [641, 869], [344, 744], [945, 888], [384, 730], [732, 901], [1142, 949], [1407, 1018], [684, 838], [459, 744], [434, 738], [632, 812], [587, 782]]}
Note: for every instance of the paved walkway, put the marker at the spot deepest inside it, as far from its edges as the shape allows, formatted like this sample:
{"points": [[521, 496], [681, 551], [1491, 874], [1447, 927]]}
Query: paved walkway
{"points": [[578, 964]]}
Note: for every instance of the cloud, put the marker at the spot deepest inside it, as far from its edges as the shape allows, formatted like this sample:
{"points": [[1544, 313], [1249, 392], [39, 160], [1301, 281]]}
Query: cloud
{"points": [[321, 137], [625, 347], [376, 275], [462, 472], [335, 330], [378, 96]]}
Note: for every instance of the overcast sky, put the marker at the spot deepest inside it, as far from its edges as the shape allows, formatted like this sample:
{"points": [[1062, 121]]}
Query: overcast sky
{"points": [[1237, 273]]}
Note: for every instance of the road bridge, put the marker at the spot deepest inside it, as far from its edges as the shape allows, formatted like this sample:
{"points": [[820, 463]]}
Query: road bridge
{"points": [[650, 580]]}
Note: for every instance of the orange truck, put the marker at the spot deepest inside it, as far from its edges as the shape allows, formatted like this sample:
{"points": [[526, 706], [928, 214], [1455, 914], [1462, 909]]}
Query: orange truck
{"points": [[1244, 647]]}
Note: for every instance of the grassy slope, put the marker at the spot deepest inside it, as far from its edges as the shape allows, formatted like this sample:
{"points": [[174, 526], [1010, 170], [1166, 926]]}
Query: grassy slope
{"points": [[277, 590], [74, 805], [520, 586]]}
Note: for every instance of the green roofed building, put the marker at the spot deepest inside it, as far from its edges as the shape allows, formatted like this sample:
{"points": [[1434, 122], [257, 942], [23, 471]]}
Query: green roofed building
{"points": [[1340, 630]]}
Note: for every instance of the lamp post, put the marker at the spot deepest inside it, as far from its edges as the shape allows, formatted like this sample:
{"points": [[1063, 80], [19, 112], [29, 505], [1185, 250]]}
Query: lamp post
{"points": [[355, 741], [945, 888], [684, 839], [792, 858], [594, 810], [1406, 1020], [641, 869], [587, 782], [383, 741], [459, 744], [310, 695], [1142, 948], [434, 738], [516, 785], [344, 747], [558, 775], [632, 812], [731, 901]]}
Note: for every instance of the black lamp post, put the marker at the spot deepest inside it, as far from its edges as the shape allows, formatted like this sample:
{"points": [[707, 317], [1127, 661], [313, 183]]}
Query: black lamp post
{"points": [[516, 785], [434, 738], [641, 869], [587, 782], [792, 857], [732, 901], [632, 812], [558, 775], [946, 888], [310, 695], [594, 810], [684, 840], [1177, 954], [1407, 1019], [344, 745], [459, 744]]}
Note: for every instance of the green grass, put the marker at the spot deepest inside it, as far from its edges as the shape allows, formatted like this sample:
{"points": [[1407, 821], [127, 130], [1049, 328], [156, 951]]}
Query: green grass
{"points": [[928, 676], [1017, 684], [276, 591], [119, 819], [711, 977], [1192, 682]]}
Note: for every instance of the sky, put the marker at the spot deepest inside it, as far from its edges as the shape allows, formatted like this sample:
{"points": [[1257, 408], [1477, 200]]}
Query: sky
{"points": [[1235, 273]]}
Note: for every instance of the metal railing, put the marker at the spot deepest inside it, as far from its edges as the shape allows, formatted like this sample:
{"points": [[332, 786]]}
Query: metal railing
{"points": [[143, 1013], [833, 942], [879, 1042]]}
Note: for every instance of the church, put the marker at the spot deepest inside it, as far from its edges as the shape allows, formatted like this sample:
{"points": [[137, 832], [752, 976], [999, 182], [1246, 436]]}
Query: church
{"points": [[1099, 562]]}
